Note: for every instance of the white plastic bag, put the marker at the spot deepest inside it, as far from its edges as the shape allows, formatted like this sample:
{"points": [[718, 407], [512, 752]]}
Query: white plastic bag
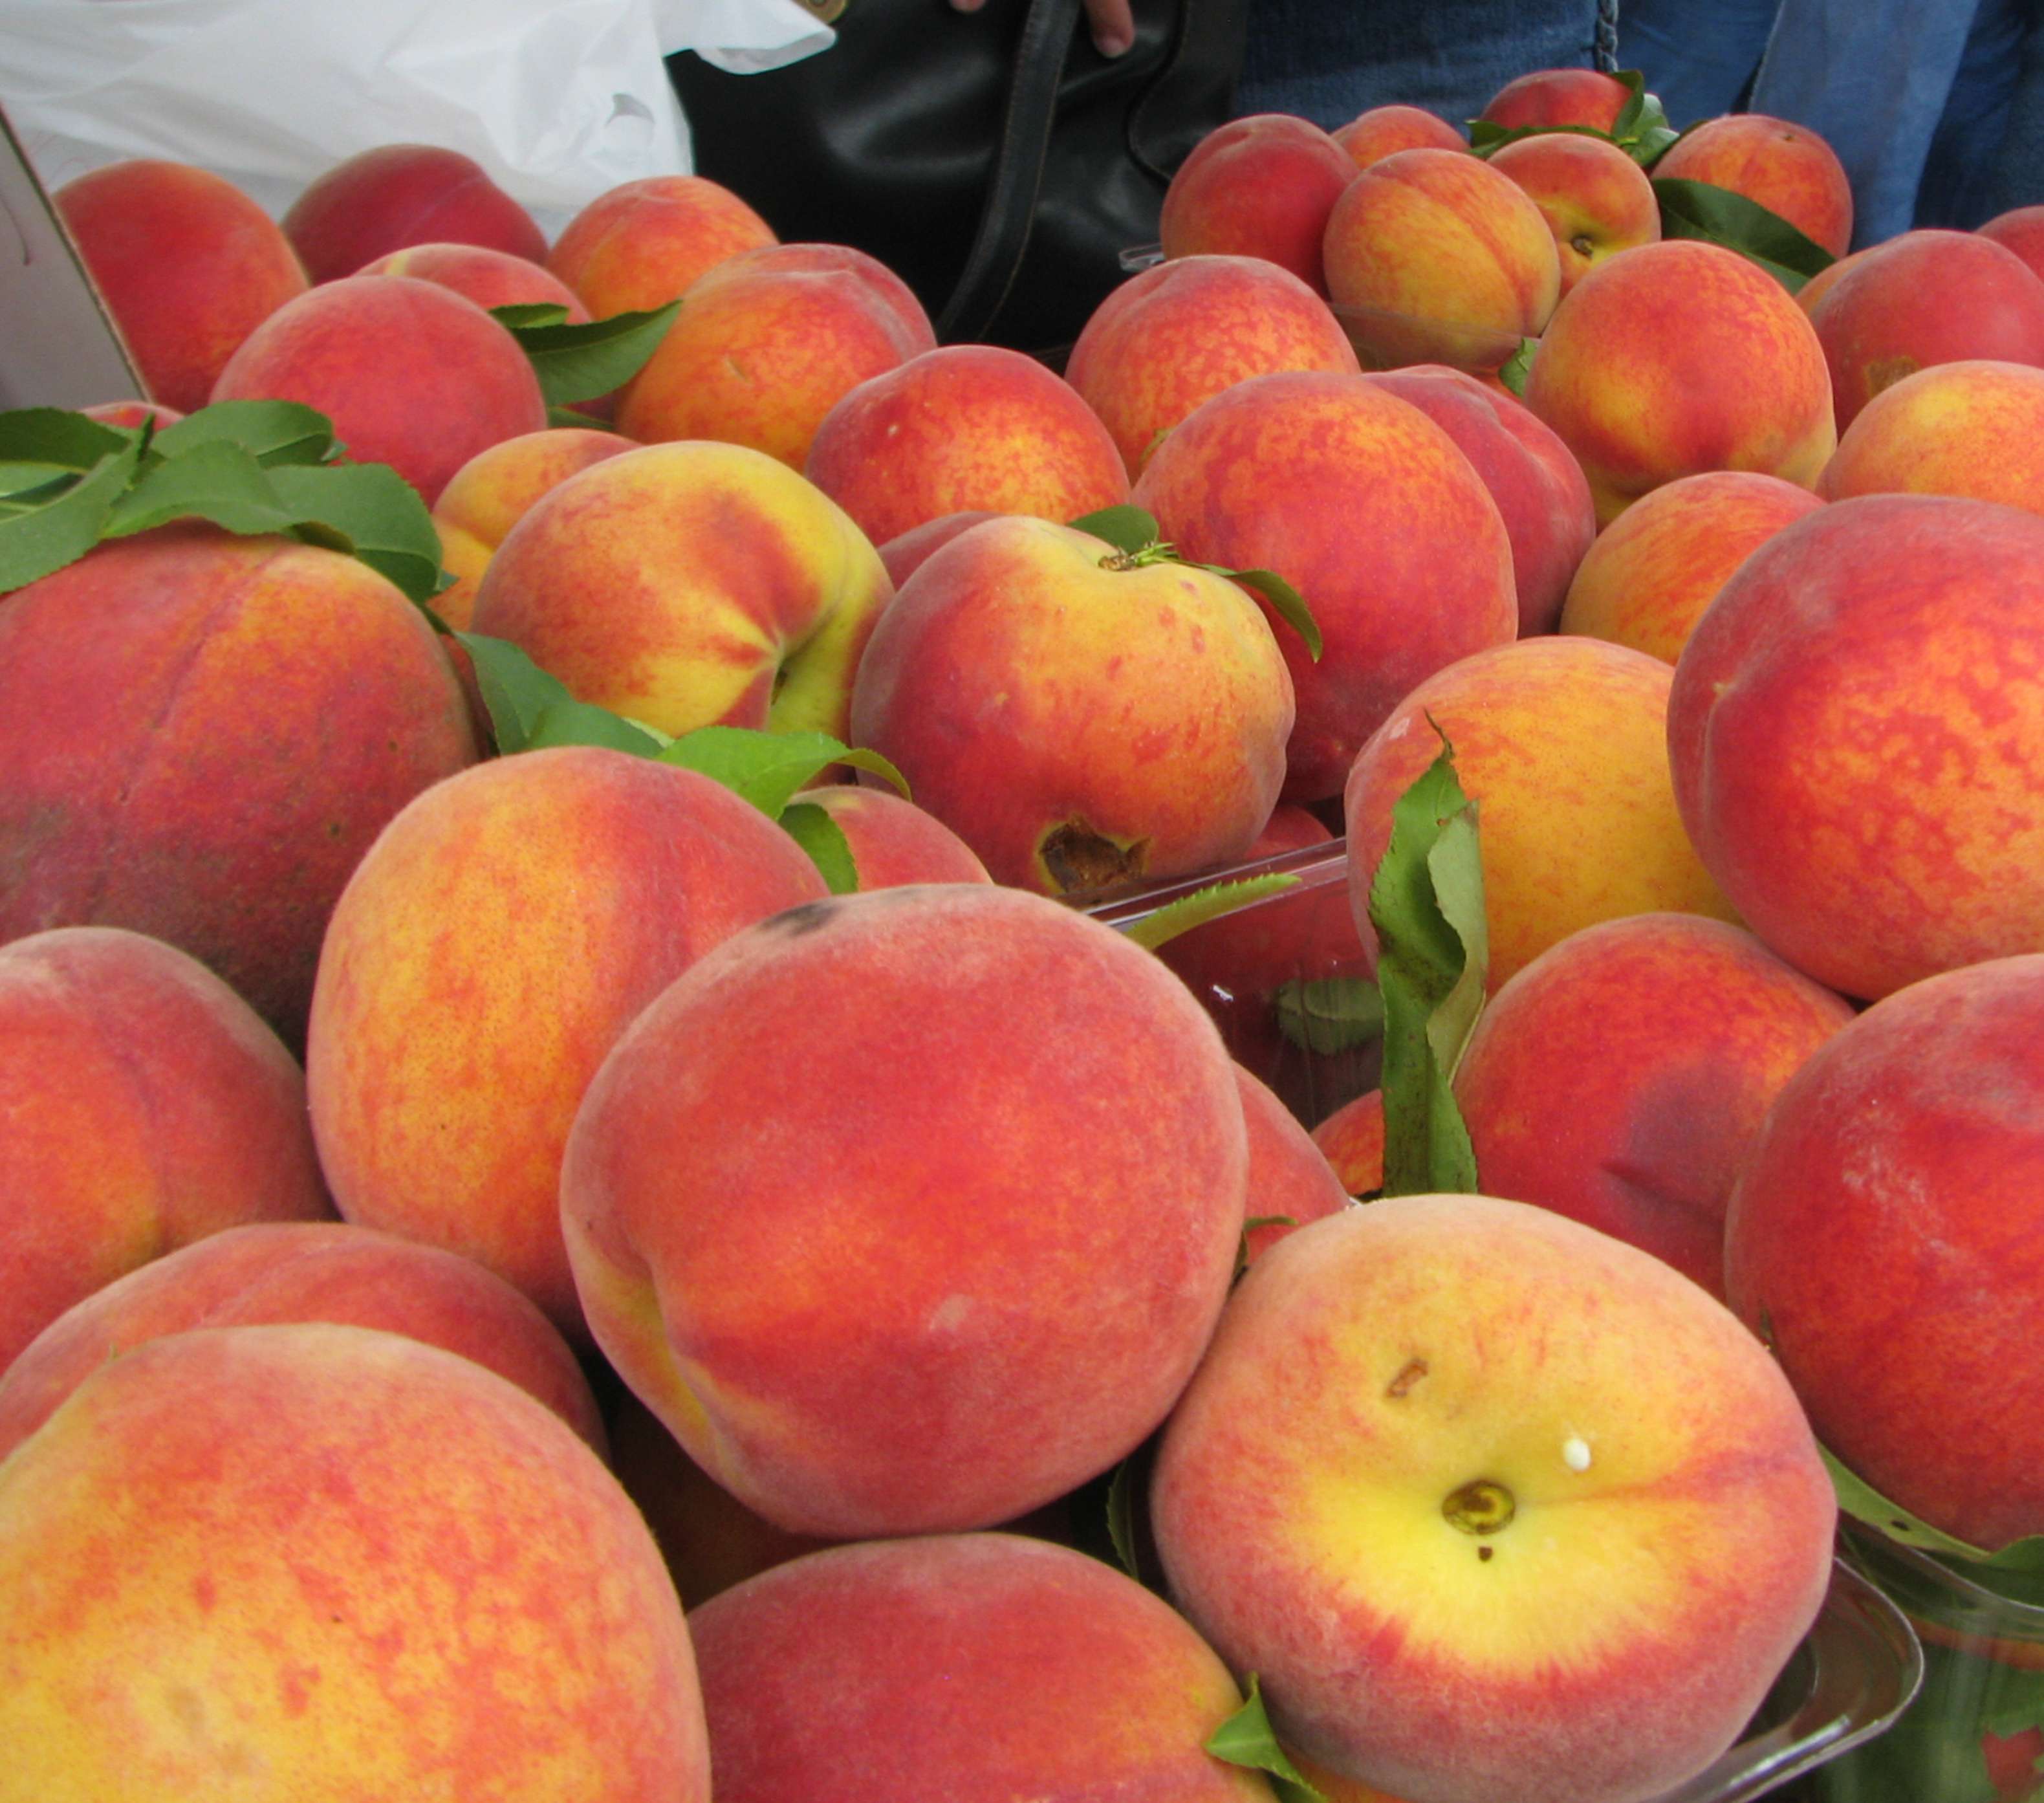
{"points": [[558, 99]]}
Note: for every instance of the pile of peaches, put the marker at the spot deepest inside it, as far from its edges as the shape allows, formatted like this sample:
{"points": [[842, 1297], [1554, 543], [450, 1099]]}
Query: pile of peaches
{"points": [[474, 1186]]}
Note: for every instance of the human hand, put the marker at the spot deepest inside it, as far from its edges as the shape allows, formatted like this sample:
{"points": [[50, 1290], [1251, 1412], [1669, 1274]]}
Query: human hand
{"points": [[1110, 23]]}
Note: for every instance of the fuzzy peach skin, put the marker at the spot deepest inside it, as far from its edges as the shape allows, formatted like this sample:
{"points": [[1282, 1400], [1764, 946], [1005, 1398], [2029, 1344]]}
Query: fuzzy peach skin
{"points": [[1887, 1237], [328, 1562], [1678, 357], [412, 374], [239, 718], [494, 490], [893, 841], [400, 195], [1538, 486], [1259, 186], [1377, 131], [966, 1262], [974, 1667], [1559, 97], [1648, 576], [1170, 337], [643, 243], [1621, 1078], [147, 1107], [2020, 229], [490, 278], [484, 958], [1562, 744], [767, 342], [1440, 237], [1078, 722], [1596, 199], [691, 584], [1786, 167], [1856, 732], [310, 1270], [962, 428], [906, 553], [1973, 427], [1290, 1180], [1494, 1505], [187, 264], [1371, 513], [1925, 296], [1352, 1141]]}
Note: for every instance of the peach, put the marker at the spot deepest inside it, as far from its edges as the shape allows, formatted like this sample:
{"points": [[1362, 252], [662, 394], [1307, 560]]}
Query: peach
{"points": [[1856, 731], [1968, 427], [412, 374], [1925, 296], [1884, 1237], [1290, 1180], [494, 490], [643, 243], [483, 958], [1784, 166], [1465, 1482], [306, 1270], [1173, 336], [1538, 486], [1351, 1140], [334, 1563], [1061, 1677], [241, 718], [1377, 131], [1596, 199], [1366, 508], [490, 278], [1070, 754], [1646, 579], [691, 584], [129, 414], [906, 552], [893, 841], [1259, 186], [1455, 252], [1814, 290], [1017, 1115], [147, 1107], [1674, 358], [964, 427], [767, 342], [187, 264], [400, 195], [2020, 229], [1621, 1078], [1559, 97], [1562, 744]]}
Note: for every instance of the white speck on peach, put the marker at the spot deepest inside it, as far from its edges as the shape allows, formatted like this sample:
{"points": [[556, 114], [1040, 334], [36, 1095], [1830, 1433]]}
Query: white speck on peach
{"points": [[1575, 1453], [950, 1314]]}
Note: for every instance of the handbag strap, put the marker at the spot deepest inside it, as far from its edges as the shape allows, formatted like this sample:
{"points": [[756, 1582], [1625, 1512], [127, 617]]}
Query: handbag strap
{"points": [[1016, 179]]}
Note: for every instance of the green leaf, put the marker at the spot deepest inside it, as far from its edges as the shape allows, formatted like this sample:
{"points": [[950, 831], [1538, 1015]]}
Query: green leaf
{"points": [[1289, 604], [522, 316], [1128, 529], [767, 768], [1641, 129], [215, 479], [823, 840], [1517, 367], [1717, 215], [1204, 904], [1328, 1015], [65, 520], [1426, 903], [1863, 1502], [1121, 1516], [2016, 1704], [516, 692], [1246, 1738], [579, 362], [273, 433], [570, 722], [558, 416], [382, 516]]}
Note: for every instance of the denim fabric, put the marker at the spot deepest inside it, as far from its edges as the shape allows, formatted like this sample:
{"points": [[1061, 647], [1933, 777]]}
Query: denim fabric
{"points": [[1960, 167], [1699, 60], [1331, 59], [2018, 176]]}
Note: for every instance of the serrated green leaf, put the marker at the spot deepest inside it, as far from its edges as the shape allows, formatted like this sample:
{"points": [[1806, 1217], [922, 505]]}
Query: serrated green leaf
{"points": [[1426, 905], [1121, 1516], [1246, 1738], [1640, 129], [1204, 904], [1128, 529], [21, 482], [1486, 137], [383, 516], [1328, 1015], [813, 830], [1713, 215], [570, 722], [1863, 1502], [58, 438], [274, 433], [522, 315], [516, 691], [1289, 605], [215, 479], [579, 362], [66, 521], [1516, 367], [767, 768]]}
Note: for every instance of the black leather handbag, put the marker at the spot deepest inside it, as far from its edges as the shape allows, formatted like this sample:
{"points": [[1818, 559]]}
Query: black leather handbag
{"points": [[994, 160]]}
